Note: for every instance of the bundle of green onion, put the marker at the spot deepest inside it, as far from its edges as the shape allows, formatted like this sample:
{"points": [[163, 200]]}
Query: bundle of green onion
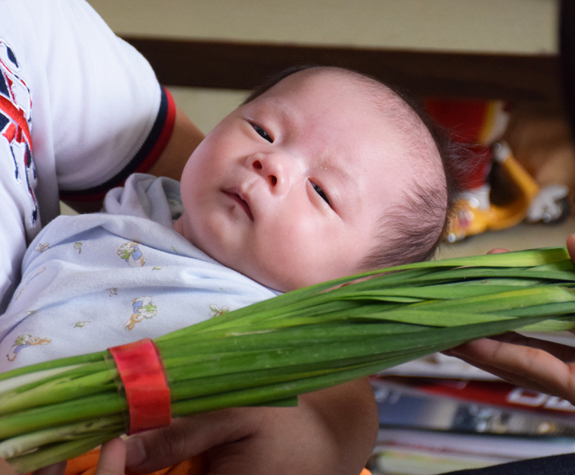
{"points": [[302, 341]]}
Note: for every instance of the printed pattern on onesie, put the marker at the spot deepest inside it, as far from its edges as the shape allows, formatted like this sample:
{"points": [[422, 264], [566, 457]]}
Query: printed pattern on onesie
{"points": [[96, 281]]}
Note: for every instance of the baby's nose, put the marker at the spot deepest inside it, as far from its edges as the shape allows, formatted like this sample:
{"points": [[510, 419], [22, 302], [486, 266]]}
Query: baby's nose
{"points": [[266, 172], [273, 168]]}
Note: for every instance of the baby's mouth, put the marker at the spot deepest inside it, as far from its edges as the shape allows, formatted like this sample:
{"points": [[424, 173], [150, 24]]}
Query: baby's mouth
{"points": [[240, 201]]}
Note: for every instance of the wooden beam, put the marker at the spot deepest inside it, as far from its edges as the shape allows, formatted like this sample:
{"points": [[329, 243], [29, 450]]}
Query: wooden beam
{"points": [[230, 65]]}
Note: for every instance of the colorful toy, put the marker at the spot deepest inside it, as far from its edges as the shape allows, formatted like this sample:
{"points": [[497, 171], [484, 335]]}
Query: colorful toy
{"points": [[498, 193]]}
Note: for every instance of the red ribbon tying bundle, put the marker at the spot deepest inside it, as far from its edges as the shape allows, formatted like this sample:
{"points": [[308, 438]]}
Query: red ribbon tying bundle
{"points": [[147, 392]]}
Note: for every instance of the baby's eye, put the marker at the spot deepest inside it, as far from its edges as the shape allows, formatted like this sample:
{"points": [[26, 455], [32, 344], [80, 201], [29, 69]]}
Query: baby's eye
{"points": [[262, 132], [321, 193]]}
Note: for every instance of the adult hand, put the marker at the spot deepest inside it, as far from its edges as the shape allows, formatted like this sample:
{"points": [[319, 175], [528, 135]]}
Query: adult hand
{"points": [[530, 363], [112, 461], [6, 469], [331, 431]]}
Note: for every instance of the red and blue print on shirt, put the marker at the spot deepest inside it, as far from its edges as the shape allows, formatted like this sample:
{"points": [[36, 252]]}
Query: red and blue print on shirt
{"points": [[15, 125]]}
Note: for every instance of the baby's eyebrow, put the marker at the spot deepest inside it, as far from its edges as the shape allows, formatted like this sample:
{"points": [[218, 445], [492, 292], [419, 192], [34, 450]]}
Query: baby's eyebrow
{"points": [[327, 162], [276, 107], [347, 186]]}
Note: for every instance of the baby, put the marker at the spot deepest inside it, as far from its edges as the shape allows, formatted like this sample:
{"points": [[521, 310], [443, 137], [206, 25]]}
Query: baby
{"points": [[321, 173]]}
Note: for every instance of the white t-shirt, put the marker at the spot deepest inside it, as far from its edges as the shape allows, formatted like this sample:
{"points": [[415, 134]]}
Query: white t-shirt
{"points": [[79, 109]]}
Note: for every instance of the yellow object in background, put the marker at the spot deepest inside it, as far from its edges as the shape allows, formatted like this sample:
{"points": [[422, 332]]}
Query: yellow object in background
{"points": [[474, 217]]}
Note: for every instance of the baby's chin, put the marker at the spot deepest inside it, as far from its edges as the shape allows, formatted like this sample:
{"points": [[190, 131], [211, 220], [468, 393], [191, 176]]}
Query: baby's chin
{"points": [[280, 282], [287, 283], [272, 278], [274, 282]]}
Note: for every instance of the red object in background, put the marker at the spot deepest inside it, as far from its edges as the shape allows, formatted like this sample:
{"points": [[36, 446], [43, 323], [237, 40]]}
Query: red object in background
{"points": [[471, 122], [496, 393], [466, 118]]}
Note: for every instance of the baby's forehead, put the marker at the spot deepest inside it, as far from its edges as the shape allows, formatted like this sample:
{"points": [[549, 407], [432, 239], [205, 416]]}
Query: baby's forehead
{"points": [[343, 81], [333, 93], [416, 151], [331, 90]]}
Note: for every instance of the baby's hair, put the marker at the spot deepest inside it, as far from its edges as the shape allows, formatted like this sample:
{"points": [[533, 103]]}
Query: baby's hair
{"points": [[420, 223], [414, 229]]}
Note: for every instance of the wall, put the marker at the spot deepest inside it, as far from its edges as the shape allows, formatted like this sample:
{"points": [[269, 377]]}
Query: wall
{"points": [[492, 26]]}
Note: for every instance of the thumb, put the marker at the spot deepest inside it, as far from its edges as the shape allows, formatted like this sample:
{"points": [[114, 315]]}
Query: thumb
{"points": [[55, 469], [5, 468], [186, 438]]}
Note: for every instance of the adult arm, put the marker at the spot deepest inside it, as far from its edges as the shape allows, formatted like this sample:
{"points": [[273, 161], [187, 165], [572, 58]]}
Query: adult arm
{"points": [[183, 141], [105, 115], [535, 364]]}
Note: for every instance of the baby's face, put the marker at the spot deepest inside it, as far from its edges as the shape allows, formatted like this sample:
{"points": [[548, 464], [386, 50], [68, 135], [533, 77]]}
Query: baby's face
{"points": [[288, 189]]}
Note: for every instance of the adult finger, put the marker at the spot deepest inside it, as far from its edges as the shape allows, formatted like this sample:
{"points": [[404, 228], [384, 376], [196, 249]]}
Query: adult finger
{"points": [[5, 468], [564, 353], [527, 366], [469, 353], [187, 437], [55, 469], [112, 458], [497, 250]]}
